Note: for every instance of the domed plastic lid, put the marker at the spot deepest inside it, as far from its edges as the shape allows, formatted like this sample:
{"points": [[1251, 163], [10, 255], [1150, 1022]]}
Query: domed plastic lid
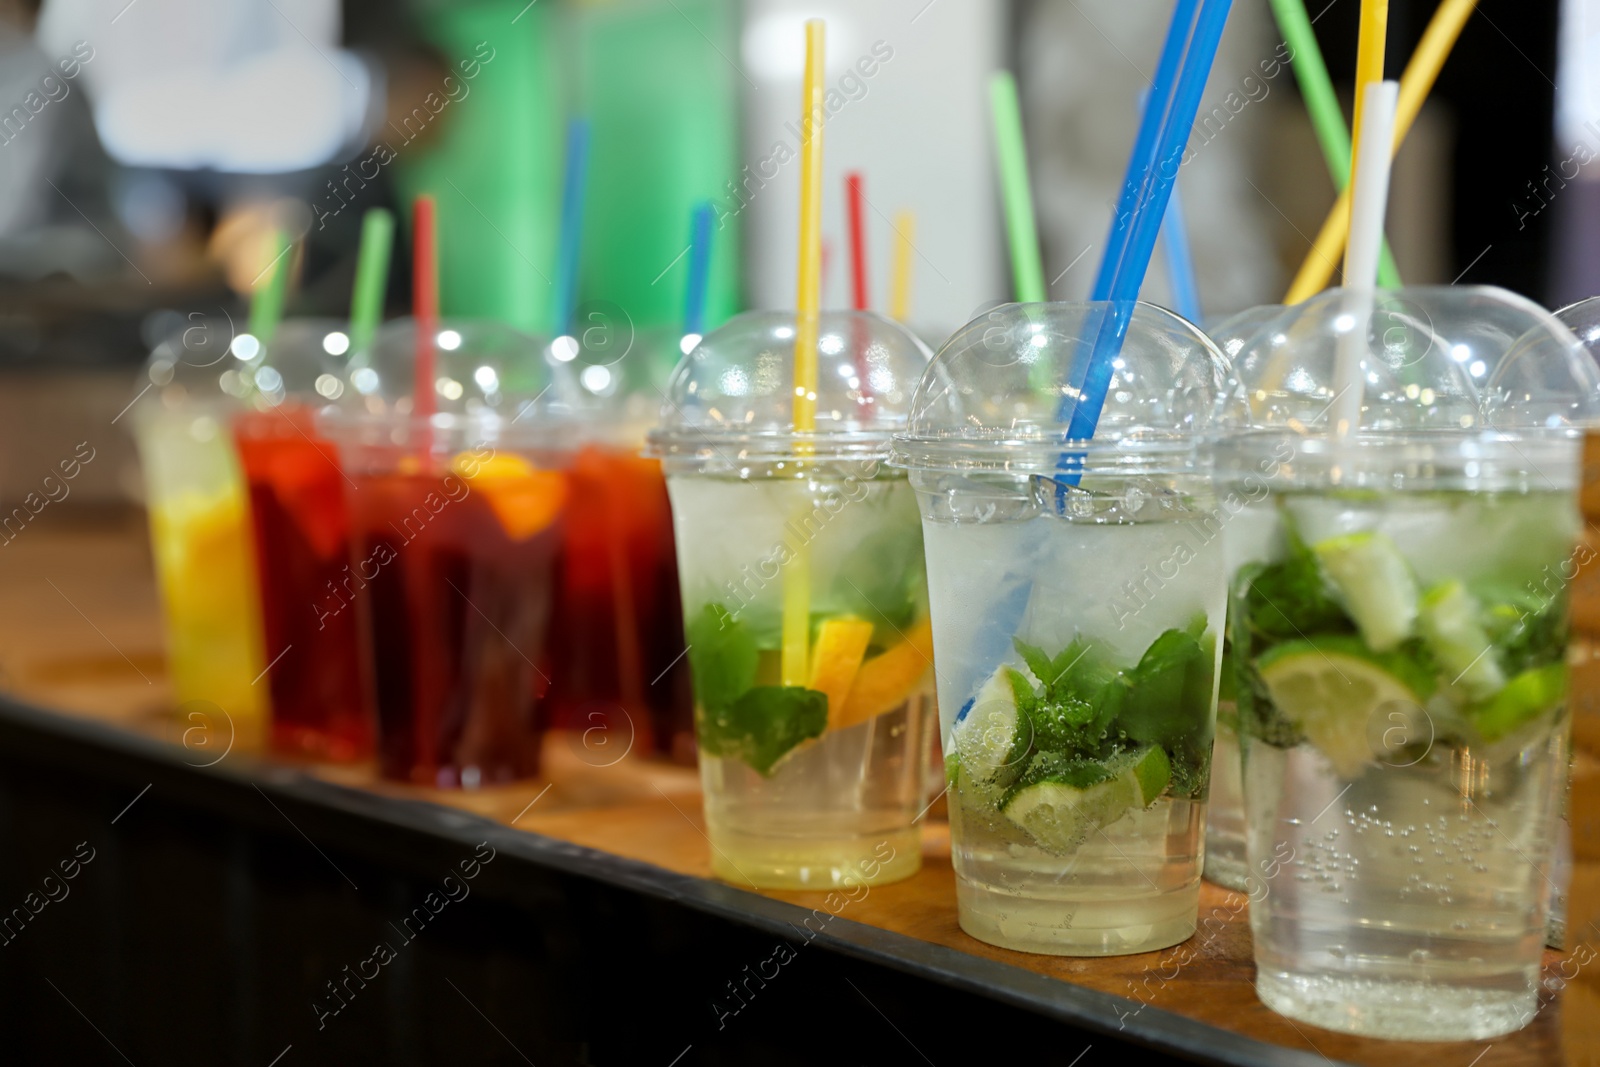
{"points": [[1232, 332], [731, 399], [1002, 392], [618, 375], [203, 360], [1431, 358], [490, 382]]}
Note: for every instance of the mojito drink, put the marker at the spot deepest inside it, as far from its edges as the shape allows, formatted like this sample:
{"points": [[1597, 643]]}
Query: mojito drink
{"points": [[1078, 650], [1402, 707], [820, 784]]}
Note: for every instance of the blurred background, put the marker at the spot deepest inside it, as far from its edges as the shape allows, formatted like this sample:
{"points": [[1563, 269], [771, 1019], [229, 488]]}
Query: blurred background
{"points": [[147, 147]]}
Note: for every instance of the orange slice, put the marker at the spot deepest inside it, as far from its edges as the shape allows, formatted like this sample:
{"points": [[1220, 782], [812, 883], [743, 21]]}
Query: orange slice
{"points": [[524, 499], [841, 644], [885, 681]]}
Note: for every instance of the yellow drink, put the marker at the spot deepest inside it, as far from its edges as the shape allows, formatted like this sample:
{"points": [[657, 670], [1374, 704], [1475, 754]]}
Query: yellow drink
{"points": [[205, 564]]}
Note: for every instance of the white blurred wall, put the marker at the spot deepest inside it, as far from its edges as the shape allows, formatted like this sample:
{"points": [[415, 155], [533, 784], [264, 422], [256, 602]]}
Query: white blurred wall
{"points": [[918, 129]]}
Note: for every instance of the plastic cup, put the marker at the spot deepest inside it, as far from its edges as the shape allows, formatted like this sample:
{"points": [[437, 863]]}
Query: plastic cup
{"points": [[199, 513], [1399, 635], [321, 705], [624, 681], [1226, 864], [1078, 603], [456, 532], [814, 779]]}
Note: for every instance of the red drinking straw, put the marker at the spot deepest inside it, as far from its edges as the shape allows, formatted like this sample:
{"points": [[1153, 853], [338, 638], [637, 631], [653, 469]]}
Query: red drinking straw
{"points": [[858, 276], [858, 241], [424, 300]]}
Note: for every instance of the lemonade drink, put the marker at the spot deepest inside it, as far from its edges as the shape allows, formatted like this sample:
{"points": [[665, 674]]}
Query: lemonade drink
{"points": [[815, 785], [200, 534], [1402, 684], [1079, 750], [1078, 601], [804, 598]]}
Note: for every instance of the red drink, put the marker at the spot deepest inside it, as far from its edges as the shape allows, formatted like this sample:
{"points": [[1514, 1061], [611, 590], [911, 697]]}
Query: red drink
{"points": [[312, 638], [458, 577], [619, 648]]}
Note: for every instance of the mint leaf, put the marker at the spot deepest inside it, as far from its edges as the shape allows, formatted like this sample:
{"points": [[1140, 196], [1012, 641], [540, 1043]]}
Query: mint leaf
{"points": [[1168, 700], [763, 725], [1537, 637], [1035, 658], [1273, 601], [722, 656]]}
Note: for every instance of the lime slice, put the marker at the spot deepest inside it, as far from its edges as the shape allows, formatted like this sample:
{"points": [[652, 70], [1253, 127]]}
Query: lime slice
{"points": [[1064, 801], [985, 736], [1332, 691], [1375, 584], [1449, 621], [1523, 699]]}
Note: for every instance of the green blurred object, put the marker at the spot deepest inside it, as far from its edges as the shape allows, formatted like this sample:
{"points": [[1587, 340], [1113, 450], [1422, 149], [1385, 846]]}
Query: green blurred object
{"points": [[272, 292], [491, 155], [665, 112]]}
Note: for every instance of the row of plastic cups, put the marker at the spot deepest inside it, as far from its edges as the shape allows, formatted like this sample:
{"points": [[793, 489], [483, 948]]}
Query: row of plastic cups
{"points": [[1397, 662], [449, 584]]}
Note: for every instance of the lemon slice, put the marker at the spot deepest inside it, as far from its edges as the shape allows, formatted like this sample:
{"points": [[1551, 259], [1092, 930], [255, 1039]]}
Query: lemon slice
{"points": [[841, 645]]}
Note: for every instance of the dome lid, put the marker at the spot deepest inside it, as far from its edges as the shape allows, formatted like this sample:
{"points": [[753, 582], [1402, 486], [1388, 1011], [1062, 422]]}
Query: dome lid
{"points": [[732, 397], [1002, 392]]}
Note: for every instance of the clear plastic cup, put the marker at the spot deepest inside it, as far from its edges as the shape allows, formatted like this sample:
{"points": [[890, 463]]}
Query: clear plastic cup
{"points": [[1226, 864], [1078, 604], [804, 599], [624, 682], [199, 511], [456, 535], [321, 705], [1400, 654]]}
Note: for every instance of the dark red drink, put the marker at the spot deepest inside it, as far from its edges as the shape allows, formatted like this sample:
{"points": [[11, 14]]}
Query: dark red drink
{"points": [[619, 661], [312, 636], [459, 577]]}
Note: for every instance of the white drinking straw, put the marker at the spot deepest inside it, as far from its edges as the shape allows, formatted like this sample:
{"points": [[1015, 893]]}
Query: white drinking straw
{"points": [[1369, 201]]}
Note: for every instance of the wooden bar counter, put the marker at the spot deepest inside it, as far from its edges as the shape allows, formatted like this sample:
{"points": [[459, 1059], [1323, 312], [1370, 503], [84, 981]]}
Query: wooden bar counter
{"points": [[235, 907]]}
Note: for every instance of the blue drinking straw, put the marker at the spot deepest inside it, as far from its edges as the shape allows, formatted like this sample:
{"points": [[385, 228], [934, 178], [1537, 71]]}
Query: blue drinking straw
{"points": [[1145, 143], [694, 306], [566, 280], [1180, 261], [1144, 221], [1175, 242]]}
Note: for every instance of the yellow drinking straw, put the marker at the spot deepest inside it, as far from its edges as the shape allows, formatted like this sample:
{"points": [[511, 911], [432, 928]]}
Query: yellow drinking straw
{"points": [[905, 231], [1369, 69], [1415, 84], [808, 306]]}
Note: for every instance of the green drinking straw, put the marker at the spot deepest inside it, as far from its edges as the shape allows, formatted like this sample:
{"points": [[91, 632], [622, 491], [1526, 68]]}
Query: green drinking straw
{"points": [[1027, 268], [1326, 118], [266, 303], [372, 277]]}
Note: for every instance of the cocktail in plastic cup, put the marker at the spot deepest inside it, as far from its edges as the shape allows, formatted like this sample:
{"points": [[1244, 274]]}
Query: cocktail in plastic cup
{"points": [[456, 525], [1400, 632], [1226, 864], [1078, 598], [320, 701], [624, 681], [199, 509], [805, 600]]}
